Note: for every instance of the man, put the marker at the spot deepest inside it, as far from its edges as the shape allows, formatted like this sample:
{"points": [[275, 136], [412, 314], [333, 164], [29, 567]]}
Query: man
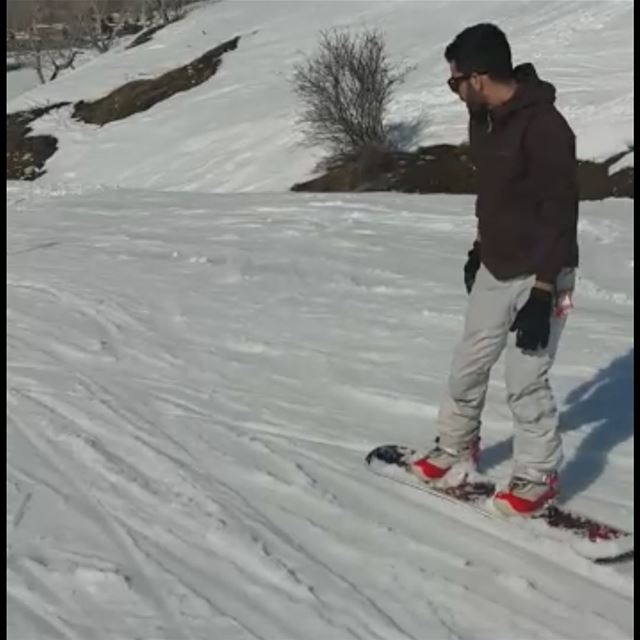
{"points": [[521, 270]]}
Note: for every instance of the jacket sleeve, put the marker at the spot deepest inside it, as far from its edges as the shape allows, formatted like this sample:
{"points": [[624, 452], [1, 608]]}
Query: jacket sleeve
{"points": [[550, 152]]}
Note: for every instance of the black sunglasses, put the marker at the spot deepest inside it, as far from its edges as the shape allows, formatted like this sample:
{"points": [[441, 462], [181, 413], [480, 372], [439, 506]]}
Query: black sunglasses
{"points": [[455, 81]]}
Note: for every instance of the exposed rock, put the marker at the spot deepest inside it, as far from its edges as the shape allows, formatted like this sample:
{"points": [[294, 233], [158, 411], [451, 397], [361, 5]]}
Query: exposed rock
{"points": [[139, 95], [622, 183], [441, 168], [26, 154], [146, 35], [446, 168]]}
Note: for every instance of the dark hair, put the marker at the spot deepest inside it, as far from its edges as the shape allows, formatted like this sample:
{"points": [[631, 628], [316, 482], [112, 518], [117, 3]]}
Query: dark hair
{"points": [[481, 48]]}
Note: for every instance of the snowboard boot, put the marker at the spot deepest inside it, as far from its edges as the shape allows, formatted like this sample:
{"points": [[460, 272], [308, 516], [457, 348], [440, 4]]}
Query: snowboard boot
{"points": [[437, 462], [526, 497]]}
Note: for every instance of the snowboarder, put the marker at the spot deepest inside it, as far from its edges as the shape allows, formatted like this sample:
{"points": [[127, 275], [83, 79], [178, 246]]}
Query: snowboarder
{"points": [[520, 273]]}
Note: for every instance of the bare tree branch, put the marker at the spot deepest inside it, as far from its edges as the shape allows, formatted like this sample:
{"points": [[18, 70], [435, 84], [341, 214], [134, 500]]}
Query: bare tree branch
{"points": [[98, 22], [61, 65], [168, 10], [345, 89], [46, 47]]}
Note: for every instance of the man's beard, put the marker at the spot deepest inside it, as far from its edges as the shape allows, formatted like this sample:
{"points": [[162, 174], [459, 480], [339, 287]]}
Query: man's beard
{"points": [[475, 102]]}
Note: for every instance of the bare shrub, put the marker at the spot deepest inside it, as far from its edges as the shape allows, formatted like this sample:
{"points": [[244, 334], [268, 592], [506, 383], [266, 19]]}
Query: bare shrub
{"points": [[345, 88], [97, 22], [47, 48], [168, 10]]}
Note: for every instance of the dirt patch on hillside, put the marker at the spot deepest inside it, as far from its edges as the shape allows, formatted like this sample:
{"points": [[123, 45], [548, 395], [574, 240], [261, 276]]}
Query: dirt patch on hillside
{"points": [[442, 168], [139, 95], [446, 168], [597, 183], [621, 183], [27, 154]]}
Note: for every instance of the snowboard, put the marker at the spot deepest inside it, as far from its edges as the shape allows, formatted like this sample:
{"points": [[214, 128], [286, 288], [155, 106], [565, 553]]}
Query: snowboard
{"points": [[590, 538]]}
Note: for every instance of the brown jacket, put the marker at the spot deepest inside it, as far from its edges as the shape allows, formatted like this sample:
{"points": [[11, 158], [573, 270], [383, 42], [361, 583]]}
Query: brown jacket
{"points": [[527, 205]]}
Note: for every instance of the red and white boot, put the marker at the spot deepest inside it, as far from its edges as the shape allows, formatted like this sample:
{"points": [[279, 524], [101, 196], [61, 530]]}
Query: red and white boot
{"points": [[526, 497], [439, 461]]}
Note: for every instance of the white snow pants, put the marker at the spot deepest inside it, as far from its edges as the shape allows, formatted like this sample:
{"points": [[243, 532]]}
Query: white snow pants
{"points": [[493, 305]]}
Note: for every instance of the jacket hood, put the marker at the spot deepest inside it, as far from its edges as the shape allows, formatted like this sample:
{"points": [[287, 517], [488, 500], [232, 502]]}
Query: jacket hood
{"points": [[531, 91]]}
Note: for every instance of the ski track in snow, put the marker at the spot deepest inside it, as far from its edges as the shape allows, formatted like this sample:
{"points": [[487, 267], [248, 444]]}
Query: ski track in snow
{"points": [[193, 382]]}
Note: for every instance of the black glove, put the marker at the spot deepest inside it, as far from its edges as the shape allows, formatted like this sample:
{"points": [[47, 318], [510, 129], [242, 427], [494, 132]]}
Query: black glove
{"points": [[471, 266], [533, 322]]}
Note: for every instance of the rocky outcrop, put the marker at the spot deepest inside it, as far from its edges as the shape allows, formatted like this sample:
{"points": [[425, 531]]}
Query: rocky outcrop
{"points": [[446, 168], [139, 95], [27, 154]]}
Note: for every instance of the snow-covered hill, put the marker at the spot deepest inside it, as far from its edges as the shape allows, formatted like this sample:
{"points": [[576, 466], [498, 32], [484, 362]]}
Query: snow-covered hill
{"points": [[20, 81], [25, 79], [236, 131], [193, 381]]}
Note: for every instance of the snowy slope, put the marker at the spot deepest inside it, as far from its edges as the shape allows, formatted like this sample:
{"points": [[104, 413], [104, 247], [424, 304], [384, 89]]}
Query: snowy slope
{"points": [[193, 381], [235, 132], [20, 81], [26, 79]]}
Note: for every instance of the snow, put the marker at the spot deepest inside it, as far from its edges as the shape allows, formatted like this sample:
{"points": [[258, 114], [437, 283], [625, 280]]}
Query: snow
{"points": [[236, 132], [25, 79], [623, 163], [194, 379], [20, 81]]}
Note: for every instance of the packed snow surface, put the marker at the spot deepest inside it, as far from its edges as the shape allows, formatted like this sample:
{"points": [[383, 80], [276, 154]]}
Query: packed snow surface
{"points": [[194, 380]]}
